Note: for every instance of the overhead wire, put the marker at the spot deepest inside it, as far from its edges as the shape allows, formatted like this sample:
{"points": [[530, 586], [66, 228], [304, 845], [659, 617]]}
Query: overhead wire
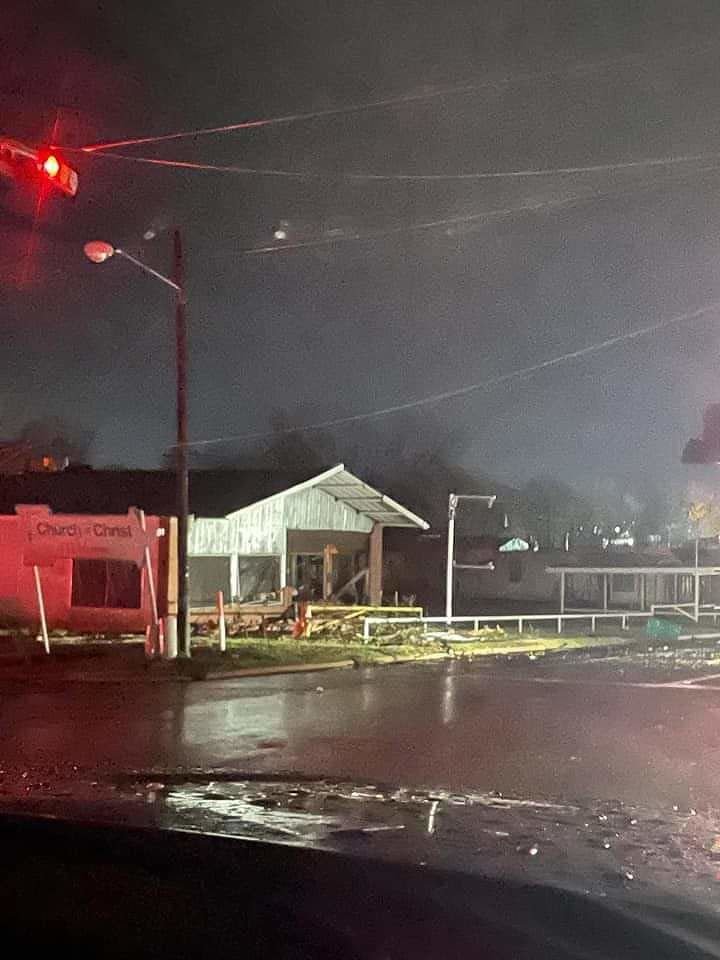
{"points": [[491, 382], [417, 177], [467, 87], [525, 207]]}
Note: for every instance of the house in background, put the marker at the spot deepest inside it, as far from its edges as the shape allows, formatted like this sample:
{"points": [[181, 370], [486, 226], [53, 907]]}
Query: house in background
{"points": [[581, 578], [415, 569]]}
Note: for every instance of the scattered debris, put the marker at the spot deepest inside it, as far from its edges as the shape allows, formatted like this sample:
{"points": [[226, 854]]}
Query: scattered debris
{"points": [[531, 849]]}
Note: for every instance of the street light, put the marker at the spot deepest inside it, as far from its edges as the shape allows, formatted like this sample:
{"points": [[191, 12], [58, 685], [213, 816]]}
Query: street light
{"points": [[98, 251]]}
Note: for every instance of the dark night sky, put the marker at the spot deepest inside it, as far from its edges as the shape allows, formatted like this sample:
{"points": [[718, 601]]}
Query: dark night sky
{"points": [[342, 328]]}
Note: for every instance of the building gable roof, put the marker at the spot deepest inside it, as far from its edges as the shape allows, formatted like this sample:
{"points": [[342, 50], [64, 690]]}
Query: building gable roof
{"points": [[213, 493], [344, 487]]}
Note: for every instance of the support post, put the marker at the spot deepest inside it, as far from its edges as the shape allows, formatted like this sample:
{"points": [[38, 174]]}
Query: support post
{"points": [[329, 553], [643, 591], [222, 629], [41, 608], [375, 565], [181, 451], [696, 610], [170, 648], [605, 592], [450, 563], [171, 637], [284, 566], [562, 592], [153, 648]]}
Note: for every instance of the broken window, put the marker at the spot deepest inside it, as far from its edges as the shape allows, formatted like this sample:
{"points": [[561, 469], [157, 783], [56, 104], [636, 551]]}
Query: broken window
{"points": [[106, 583], [258, 578], [207, 576]]}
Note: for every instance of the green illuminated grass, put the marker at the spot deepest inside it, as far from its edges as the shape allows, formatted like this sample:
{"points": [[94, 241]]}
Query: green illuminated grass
{"points": [[253, 652]]}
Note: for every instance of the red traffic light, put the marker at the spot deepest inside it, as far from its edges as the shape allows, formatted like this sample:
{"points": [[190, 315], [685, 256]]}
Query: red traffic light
{"points": [[57, 171], [51, 166]]}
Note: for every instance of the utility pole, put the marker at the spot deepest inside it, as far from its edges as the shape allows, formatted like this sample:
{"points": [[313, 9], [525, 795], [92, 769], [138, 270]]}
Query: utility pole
{"points": [[453, 501], [181, 450], [98, 251]]}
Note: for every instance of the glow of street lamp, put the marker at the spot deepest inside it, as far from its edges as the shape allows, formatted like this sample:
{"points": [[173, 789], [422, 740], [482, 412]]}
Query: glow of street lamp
{"points": [[98, 251]]}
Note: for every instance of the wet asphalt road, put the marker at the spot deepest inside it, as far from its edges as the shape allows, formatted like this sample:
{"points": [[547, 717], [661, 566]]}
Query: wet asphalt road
{"points": [[567, 732]]}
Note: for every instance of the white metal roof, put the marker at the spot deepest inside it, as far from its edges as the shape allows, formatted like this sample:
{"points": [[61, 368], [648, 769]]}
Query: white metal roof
{"points": [[350, 490]]}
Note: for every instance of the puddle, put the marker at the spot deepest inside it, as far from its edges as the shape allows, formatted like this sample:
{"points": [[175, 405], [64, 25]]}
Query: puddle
{"points": [[599, 848]]}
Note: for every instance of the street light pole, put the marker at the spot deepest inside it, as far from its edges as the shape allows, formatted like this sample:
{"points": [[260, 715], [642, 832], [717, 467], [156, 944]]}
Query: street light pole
{"points": [[99, 251], [453, 501], [181, 450]]}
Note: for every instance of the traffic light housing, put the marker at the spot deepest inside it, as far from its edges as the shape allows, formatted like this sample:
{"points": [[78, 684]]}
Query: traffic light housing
{"points": [[28, 165], [56, 171]]}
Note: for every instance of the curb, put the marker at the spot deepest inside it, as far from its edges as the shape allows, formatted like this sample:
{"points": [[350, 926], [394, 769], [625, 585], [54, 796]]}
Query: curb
{"points": [[273, 671], [170, 674]]}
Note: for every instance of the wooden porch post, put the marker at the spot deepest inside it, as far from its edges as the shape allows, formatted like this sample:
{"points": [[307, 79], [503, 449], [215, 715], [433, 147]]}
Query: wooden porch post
{"points": [[605, 591], [375, 565], [562, 592], [328, 563]]}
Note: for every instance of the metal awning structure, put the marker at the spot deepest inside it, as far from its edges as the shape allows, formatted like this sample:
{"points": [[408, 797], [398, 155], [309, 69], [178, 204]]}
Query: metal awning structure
{"points": [[697, 573], [350, 490]]}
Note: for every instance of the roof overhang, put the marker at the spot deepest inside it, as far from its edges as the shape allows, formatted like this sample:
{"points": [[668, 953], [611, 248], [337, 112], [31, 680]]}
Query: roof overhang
{"points": [[346, 488]]}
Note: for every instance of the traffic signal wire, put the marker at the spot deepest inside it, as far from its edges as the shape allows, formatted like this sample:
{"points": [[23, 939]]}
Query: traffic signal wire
{"points": [[419, 177]]}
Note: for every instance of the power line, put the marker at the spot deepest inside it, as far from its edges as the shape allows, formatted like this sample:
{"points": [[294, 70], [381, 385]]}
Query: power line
{"points": [[527, 206], [473, 387], [417, 177], [530, 206], [402, 99]]}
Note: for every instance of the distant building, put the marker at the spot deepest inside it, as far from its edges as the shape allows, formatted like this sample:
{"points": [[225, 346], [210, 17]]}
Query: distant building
{"points": [[527, 578], [17, 458]]}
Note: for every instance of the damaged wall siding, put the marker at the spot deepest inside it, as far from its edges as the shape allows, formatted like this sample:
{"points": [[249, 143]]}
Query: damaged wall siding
{"points": [[261, 528], [257, 529]]}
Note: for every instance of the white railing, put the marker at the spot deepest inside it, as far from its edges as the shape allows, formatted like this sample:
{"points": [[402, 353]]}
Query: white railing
{"points": [[687, 610], [558, 619]]}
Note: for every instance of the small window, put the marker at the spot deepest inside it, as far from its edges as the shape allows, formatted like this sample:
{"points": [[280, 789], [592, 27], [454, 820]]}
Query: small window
{"points": [[623, 582], [516, 569], [106, 583]]}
